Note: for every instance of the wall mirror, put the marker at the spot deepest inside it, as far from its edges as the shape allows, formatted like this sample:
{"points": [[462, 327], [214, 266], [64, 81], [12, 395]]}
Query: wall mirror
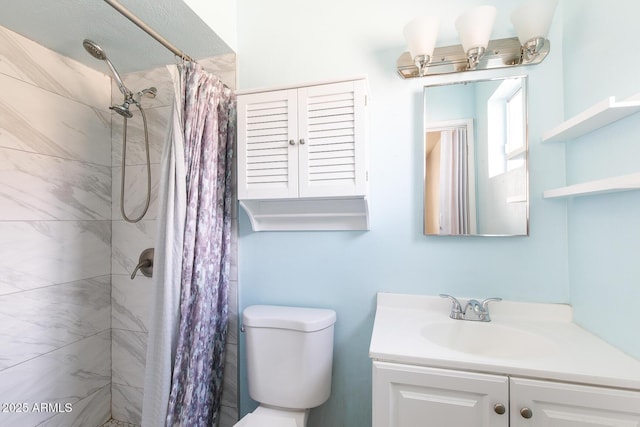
{"points": [[476, 158]]}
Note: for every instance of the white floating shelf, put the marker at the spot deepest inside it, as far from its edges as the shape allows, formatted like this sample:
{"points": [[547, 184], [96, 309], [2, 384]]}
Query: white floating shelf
{"points": [[607, 185], [601, 114]]}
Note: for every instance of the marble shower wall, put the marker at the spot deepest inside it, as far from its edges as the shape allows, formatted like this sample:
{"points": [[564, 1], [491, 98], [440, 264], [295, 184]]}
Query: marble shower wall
{"points": [[131, 298], [55, 238]]}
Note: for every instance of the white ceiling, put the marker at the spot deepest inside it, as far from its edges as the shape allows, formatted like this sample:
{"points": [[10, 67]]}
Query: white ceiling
{"points": [[62, 25]]}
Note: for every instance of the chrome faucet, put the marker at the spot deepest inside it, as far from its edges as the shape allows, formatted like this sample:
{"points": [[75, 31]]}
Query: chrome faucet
{"points": [[473, 310]]}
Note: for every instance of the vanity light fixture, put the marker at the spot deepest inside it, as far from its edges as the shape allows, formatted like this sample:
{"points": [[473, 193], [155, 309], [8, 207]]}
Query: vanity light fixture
{"points": [[421, 34], [531, 20], [474, 29]]}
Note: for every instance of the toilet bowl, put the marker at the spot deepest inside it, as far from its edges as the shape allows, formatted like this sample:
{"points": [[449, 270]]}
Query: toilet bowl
{"points": [[289, 353]]}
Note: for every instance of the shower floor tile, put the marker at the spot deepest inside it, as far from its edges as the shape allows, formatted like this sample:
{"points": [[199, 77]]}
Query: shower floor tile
{"points": [[115, 423]]}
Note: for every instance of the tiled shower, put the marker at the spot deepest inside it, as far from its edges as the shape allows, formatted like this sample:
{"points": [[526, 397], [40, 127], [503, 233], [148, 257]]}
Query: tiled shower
{"points": [[73, 325]]}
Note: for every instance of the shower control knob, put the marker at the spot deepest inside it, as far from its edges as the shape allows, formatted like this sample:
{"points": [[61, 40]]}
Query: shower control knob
{"points": [[526, 413], [145, 264], [499, 409]]}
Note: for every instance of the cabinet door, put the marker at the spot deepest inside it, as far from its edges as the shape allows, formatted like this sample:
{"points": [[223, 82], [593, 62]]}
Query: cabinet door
{"points": [[415, 396], [333, 139], [569, 405], [267, 145]]}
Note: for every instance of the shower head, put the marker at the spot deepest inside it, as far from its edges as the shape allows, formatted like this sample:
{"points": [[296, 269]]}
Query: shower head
{"points": [[97, 52], [123, 110]]}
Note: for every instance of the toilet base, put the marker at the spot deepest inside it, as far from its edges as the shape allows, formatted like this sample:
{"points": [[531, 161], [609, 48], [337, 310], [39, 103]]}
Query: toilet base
{"points": [[265, 416]]}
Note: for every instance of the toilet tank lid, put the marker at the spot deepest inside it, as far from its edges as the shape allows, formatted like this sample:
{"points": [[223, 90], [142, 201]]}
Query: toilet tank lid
{"points": [[294, 318]]}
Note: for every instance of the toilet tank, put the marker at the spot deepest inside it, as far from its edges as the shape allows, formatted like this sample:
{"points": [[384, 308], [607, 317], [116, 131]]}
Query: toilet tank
{"points": [[289, 355]]}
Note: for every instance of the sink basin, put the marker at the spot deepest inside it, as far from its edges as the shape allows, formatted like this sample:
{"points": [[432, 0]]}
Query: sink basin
{"points": [[486, 339]]}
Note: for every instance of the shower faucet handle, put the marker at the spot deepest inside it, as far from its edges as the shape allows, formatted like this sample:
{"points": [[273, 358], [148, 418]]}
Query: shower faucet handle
{"points": [[145, 263]]}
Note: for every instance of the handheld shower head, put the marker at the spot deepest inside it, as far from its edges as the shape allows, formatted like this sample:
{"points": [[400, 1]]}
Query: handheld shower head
{"points": [[97, 52], [123, 110], [94, 50]]}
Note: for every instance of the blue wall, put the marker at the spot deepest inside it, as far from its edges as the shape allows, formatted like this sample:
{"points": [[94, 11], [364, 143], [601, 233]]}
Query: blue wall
{"points": [[283, 42], [604, 230]]}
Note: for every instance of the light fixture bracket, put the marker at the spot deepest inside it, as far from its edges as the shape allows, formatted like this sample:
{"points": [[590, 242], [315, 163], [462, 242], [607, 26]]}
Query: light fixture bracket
{"points": [[474, 56], [500, 53], [421, 62]]}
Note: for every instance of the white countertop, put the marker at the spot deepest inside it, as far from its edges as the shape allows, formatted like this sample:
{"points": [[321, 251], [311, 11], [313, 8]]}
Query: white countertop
{"points": [[560, 350]]}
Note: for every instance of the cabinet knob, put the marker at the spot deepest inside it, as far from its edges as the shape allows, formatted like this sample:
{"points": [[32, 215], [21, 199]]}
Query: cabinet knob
{"points": [[301, 141], [499, 408], [292, 142], [526, 413]]}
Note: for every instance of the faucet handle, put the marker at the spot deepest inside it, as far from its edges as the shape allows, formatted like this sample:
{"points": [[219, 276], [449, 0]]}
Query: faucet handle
{"points": [[456, 308], [485, 303], [485, 308]]}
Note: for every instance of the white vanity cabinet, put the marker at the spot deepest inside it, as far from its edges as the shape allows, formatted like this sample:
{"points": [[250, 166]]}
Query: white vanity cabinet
{"points": [[545, 403], [418, 396], [530, 366], [302, 154]]}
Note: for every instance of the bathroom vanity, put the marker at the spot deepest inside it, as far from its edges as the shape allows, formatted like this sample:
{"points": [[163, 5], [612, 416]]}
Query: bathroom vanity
{"points": [[530, 366]]}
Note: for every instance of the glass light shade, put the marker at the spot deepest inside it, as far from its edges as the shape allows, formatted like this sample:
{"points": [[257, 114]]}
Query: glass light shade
{"points": [[533, 18], [421, 34], [475, 26]]}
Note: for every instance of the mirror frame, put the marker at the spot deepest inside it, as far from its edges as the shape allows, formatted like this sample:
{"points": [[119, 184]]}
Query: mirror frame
{"points": [[438, 123]]}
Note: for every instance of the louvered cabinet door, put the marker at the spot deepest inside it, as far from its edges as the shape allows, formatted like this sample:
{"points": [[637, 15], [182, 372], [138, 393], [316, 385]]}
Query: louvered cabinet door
{"points": [[268, 145], [332, 139]]}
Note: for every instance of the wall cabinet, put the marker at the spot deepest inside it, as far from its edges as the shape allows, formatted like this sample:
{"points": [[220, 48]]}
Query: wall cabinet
{"points": [[302, 160], [412, 396], [302, 142]]}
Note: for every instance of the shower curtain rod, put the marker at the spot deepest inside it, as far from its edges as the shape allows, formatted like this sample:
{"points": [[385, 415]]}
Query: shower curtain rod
{"points": [[144, 27]]}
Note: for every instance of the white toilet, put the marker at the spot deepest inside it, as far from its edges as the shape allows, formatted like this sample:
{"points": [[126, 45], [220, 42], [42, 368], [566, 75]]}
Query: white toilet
{"points": [[289, 361]]}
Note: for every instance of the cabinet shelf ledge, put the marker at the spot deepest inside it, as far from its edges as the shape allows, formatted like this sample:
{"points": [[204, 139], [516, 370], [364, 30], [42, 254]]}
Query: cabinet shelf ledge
{"points": [[308, 214]]}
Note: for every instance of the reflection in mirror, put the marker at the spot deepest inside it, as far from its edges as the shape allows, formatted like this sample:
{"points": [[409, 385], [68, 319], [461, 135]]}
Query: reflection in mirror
{"points": [[475, 158]]}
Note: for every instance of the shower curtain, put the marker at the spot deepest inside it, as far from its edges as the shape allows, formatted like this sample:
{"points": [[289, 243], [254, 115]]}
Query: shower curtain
{"points": [[185, 353], [454, 182]]}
